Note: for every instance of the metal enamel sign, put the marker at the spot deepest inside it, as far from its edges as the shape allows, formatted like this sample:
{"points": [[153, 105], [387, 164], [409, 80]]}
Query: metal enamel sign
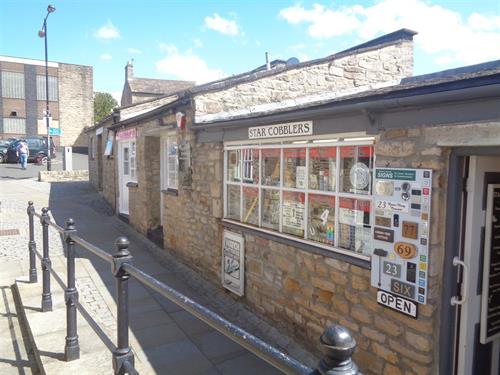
{"points": [[397, 303], [402, 201], [233, 262]]}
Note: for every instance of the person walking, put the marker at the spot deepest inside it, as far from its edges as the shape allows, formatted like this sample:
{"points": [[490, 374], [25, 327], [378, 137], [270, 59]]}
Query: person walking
{"points": [[23, 152]]}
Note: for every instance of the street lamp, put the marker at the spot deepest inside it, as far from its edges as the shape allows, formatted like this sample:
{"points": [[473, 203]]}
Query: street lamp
{"points": [[43, 34]]}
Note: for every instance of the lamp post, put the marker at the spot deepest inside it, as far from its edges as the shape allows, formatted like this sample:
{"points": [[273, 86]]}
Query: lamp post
{"points": [[43, 34]]}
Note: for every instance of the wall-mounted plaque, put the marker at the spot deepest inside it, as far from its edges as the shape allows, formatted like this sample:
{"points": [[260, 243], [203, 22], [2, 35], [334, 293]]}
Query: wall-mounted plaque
{"points": [[233, 262]]}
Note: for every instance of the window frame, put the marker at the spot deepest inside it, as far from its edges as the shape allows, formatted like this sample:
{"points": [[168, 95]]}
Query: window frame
{"points": [[307, 143], [166, 183]]}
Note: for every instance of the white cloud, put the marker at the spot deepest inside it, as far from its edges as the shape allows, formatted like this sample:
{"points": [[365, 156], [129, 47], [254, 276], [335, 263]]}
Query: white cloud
{"points": [[197, 43], [117, 95], [222, 25], [186, 66], [106, 57], [442, 33], [107, 31], [134, 51]]}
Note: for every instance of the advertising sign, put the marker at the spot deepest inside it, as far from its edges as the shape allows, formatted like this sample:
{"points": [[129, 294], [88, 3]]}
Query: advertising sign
{"points": [[292, 129], [233, 262], [400, 259]]}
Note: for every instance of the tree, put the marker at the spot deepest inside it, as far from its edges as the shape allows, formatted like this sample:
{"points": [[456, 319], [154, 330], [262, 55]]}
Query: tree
{"points": [[103, 105]]}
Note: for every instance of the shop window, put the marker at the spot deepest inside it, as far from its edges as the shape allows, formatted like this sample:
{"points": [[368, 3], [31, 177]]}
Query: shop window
{"points": [[316, 192]]}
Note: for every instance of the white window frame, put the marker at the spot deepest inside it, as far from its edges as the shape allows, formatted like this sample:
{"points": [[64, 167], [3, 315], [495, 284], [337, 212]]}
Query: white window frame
{"points": [[289, 143], [133, 160], [169, 183]]}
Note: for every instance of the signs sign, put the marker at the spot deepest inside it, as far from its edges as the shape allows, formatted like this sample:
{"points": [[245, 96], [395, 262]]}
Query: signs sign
{"points": [[397, 303], [402, 202], [233, 262], [126, 134], [490, 300], [292, 129]]}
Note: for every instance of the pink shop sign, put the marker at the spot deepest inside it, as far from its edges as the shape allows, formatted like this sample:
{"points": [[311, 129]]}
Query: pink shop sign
{"points": [[125, 134]]}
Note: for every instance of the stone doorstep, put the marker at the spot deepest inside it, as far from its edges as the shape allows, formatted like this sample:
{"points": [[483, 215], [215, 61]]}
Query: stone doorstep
{"points": [[47, 331]]}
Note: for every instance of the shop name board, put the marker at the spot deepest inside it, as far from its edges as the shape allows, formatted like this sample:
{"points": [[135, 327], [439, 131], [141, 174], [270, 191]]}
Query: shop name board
{"points": [[292, 129], [126, 134], [397, 303], [392, 174]]}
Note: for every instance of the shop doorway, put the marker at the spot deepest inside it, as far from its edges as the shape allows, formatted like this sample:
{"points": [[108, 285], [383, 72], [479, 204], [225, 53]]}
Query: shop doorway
{"points": [[473, 355], [126, 173]]}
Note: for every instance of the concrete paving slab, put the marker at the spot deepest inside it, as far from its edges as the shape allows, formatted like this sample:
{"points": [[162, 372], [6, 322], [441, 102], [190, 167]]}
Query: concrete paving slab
{"points": [[247, 364], [216, 347], [157, 335]]}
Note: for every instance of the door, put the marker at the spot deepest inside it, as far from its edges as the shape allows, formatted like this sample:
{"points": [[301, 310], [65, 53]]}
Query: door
{"points": [[473, 357], [124, 175]]}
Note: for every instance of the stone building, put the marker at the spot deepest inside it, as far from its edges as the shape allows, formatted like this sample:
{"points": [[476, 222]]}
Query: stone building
{"points": [[23, 100], [137, 90], [340, 190]]}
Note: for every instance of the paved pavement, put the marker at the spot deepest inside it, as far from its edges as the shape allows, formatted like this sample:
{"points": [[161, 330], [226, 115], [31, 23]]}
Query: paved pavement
{"points": [[14, 171], [163, 335]]}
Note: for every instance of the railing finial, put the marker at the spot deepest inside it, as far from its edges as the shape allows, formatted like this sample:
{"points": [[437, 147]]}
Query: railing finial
{"points": [[338, 346]]}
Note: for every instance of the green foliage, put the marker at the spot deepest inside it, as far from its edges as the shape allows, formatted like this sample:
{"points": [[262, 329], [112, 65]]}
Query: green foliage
{"points": [[103, 105]]}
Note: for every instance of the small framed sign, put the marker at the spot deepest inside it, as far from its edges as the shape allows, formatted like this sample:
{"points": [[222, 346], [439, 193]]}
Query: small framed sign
{"points": [[233, 262]]}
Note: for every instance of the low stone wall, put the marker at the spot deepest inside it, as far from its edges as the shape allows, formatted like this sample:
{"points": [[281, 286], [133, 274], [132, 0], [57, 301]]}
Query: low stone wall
{"points": [[62, 176]]}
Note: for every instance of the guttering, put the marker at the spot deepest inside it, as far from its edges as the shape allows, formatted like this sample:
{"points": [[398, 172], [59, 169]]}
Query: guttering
{"points": [[406, 98]]}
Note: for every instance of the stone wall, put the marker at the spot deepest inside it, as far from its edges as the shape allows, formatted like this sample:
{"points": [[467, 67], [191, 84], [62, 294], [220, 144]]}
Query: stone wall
{"points": [[62, 176], [357, 70], [76, 103]]}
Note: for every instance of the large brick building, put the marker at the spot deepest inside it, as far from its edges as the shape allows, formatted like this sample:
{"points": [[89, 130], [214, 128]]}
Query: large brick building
{"points": [[23, 102], [351, 190]]}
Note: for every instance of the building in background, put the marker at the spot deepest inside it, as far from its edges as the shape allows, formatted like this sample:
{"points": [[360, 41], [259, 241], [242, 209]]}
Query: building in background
{"points": [[138, 90], [22, 100]]}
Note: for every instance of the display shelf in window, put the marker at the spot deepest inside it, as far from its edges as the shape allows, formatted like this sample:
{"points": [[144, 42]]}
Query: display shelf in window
{"points": [[250, 165], [234, 165], [293, 213], [356, 163], [322, 168], [251, 205], [354, 225], [294, 160], [321, 219], [233, 202], [270, 209], [271, 159]]}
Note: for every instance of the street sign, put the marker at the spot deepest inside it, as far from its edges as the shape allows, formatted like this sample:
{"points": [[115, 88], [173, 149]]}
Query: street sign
{"points": [[55, 131]]}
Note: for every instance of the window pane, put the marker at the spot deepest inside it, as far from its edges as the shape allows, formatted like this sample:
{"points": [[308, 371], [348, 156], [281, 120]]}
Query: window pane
{"points": [[295, 167], [271, 167], [321, 220], [293, 213], [322, 168], [233, 202], [270, 209], [172, 163], [355, 169], [234, 165], [250, 165], [354, 225], [41, 88], [14, 125], [13, 85], [251, 205]]}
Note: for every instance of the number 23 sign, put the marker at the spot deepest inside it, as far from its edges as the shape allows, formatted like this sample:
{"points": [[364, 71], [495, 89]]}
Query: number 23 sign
{"points": [[405, 250]]}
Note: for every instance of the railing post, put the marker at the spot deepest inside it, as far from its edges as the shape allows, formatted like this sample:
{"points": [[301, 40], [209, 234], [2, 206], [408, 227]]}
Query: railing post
{"points": [[338, 347], [46, 264], [72, 347], [123, 353], [31, 243]]}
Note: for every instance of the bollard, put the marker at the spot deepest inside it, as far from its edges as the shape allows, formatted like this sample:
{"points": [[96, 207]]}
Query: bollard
{"points": [[123, 353], [71, 347], [338, 347], [31, 243], [46, 264]]}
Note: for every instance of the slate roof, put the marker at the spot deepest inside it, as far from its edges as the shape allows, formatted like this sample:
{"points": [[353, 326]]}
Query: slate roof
{"points": [[157, 86]]}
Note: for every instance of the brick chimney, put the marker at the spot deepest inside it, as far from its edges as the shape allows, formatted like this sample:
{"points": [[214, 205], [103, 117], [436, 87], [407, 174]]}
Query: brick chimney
{"points": [[129, 70]]}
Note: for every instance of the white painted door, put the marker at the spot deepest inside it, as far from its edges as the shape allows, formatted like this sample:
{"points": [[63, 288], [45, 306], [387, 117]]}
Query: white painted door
{"points": [[475, 358], [124, 177]]}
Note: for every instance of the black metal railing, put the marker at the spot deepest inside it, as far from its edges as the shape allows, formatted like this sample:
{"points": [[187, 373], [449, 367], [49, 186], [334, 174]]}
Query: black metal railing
{"points": [[336, 341]]}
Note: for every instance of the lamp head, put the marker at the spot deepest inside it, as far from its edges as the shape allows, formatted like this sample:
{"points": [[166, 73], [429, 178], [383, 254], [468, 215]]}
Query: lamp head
{"points": [[41, 33], [51, 8]]}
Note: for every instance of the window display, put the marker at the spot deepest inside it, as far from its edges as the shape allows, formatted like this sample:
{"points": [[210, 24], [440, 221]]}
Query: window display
{"points": [[323, 168], [250, 205], [321, 220], [250, 166], [271, 166], [294, 160], [354, 225], [293, 213], [234, 165], [356, 163], [271, 209], [233, 202]]}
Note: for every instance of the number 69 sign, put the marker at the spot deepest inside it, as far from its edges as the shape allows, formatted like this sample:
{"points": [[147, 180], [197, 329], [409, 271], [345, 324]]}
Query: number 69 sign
{"points": [[405, 250]]}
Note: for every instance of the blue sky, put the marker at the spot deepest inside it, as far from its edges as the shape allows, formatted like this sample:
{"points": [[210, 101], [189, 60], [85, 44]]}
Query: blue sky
{"points": [[206, 40]]}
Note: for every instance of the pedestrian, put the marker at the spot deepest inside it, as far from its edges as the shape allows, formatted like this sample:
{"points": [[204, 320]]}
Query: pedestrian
{"points": [[23, 152]]}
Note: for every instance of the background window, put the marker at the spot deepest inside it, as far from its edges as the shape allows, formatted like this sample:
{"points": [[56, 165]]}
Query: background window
{"points": [[13, 85], [233, 202], [271, 209], [356, 163], [172, 156], [250, 205], [14, 125], [41, 89], [294, 160], [321, 218], [323, 168], [354, 225], [234, 165], [133, 167], [271, 166], [293, 213]]}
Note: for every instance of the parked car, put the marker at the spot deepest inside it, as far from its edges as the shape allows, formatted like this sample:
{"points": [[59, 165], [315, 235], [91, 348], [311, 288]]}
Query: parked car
{"points": [[4, 146], [37, 149]]}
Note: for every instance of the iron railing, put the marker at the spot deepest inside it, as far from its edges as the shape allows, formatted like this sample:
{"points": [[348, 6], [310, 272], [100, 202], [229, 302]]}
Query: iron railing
{"points": [[336, 342]]}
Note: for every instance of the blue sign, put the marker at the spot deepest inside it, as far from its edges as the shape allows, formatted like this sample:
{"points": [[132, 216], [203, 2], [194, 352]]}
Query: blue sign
{"points": [[55, 131]]}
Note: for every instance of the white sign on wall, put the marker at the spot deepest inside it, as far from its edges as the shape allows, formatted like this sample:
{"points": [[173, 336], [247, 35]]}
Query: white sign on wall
{"points": [[292, 129], [233, 262]]}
